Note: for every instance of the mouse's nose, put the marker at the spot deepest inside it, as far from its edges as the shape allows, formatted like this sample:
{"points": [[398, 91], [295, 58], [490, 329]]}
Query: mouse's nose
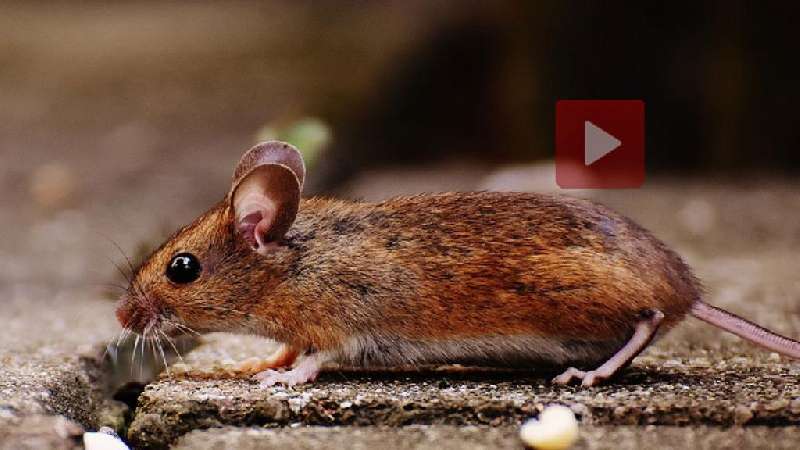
{"points": [[130, 316]]}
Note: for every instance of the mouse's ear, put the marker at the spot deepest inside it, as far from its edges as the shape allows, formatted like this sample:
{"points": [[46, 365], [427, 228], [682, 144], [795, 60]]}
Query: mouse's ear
{"points": [[265, 194]]}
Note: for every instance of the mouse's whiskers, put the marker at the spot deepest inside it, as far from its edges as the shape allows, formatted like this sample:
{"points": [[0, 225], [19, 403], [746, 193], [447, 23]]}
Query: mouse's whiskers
{"points": [[121, 252], [157, 336], [182, 327], [119, 269], [146, 339], [171, 343], [111, 349], [123, 336], [133, 352]]}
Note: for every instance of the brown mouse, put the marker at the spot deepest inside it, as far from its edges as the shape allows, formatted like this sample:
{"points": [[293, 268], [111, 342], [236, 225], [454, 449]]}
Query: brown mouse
{"points": [[482, 278]]}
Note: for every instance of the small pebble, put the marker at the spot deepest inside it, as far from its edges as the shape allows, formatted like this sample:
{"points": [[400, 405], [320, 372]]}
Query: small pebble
{"points": [[556, 429]]}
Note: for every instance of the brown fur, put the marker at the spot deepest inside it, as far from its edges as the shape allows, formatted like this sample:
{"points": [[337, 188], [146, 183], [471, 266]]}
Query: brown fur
{"points": [[428, 268]]}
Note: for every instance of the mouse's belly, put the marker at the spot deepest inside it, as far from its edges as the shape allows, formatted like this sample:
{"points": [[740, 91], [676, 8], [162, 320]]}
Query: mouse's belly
{"points": [[494, 351]]}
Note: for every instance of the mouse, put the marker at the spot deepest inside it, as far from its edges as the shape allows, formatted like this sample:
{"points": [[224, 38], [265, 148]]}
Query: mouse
{"points": [[482, 278]]}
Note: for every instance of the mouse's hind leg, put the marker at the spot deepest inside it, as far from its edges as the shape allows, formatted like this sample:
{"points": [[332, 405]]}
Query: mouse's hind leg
{"points": [[646, 328]]}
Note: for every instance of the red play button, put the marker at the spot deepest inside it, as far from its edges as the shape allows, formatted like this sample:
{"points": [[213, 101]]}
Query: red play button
{"points": [[599, 143]]}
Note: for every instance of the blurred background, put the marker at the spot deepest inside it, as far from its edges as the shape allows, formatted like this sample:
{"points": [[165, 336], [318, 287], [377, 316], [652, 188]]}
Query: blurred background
{"points": [[121, 120]]}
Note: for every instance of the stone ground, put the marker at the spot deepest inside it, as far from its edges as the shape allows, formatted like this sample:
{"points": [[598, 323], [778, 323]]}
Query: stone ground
{"points": [[656, 392], [444, 437]]}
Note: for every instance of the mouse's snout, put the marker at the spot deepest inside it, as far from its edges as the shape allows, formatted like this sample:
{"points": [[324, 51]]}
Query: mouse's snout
{"points": [[135, 315], [127, 316]]}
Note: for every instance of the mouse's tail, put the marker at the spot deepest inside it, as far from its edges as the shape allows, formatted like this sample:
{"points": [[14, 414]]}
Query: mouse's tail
{"points": [[746, 329]]}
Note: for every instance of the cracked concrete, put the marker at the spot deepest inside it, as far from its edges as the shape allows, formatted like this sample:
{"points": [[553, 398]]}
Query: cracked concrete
{"points": [[37, 431], [53, 381]]}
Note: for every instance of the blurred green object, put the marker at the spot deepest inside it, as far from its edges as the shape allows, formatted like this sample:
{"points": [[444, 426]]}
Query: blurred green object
{"points": [[309, 134]]}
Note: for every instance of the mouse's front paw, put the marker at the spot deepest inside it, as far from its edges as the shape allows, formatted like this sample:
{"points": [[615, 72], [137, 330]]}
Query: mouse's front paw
{"points": [[306, 370], [298, 375], [270, 378], [285, 356]]}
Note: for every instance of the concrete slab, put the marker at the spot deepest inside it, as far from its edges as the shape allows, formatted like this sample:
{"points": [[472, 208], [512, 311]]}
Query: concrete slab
{"points": [[442, 437], [53, 380], [36, 432], [655, 391]]}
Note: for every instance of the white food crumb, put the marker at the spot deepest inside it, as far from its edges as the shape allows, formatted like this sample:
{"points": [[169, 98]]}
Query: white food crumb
{"points": [[556, 429], [102, 441]]}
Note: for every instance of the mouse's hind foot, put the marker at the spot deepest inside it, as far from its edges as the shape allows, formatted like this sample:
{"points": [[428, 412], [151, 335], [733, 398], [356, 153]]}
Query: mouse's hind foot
{"points": [[645, 329], [587, 378], [570, 374]]}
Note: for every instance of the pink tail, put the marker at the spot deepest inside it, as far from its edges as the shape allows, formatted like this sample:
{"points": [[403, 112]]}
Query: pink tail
{"points": [[746, 329]]}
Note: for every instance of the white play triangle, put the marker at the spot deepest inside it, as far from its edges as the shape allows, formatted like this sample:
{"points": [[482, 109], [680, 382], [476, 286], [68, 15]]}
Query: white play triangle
{"points": [[597, 143]]}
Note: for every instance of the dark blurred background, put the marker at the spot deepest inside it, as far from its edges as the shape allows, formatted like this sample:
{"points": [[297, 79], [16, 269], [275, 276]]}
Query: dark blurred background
{"points": [[123, 119], [406, 81]]}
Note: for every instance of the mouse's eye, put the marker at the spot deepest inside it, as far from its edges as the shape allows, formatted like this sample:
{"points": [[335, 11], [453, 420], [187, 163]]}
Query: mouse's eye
{"points": [[184, 268]]}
